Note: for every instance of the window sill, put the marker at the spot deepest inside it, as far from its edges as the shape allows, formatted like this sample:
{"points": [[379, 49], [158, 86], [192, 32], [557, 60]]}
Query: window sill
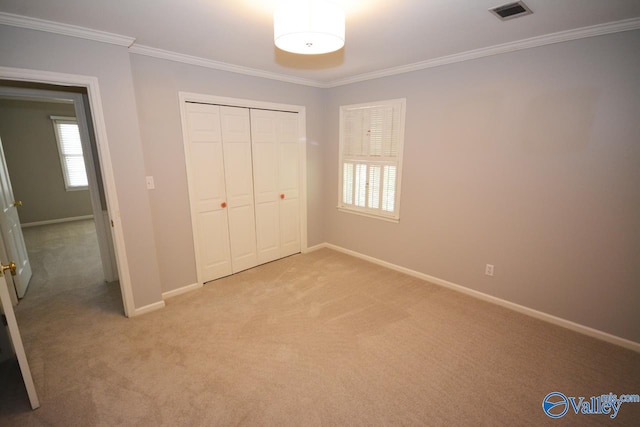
{"points": [[368, 215], [76, 188]]}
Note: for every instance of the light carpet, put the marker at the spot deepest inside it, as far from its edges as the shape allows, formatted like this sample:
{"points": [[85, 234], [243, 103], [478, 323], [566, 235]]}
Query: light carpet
{"points": [[316, 339]]}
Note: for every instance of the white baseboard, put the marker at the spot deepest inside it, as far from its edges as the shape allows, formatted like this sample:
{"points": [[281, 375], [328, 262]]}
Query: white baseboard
{"points": [[56, 221], [586, 330], [148, 308], [160, 304], [181, 290], [314, 248]]}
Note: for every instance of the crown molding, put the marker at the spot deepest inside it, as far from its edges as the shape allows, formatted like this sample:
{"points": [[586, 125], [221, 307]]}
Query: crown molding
{"points": [[105, 37], [217, 65], [64, 29], [559, 37]]}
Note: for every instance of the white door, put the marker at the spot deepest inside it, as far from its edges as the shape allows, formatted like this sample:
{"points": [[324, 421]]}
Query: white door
{"points": [[276, 172], [236, 141], [205, 170], [14, 334], [11, 230]]}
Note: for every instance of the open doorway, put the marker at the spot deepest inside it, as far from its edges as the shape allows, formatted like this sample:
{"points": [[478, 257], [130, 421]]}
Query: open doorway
{"points": [[53, 171], [85, 93]]}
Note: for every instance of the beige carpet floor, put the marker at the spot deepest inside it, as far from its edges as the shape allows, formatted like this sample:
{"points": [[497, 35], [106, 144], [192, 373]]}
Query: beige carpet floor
{"points": [[321, 339]]}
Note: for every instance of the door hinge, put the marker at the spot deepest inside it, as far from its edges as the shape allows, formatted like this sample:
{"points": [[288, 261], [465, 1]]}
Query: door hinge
{"points": [[112, 224], [4, 320]]}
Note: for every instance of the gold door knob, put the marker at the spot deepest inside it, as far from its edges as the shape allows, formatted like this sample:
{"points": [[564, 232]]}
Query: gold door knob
{"points": [[11, 266], [17, 203]]}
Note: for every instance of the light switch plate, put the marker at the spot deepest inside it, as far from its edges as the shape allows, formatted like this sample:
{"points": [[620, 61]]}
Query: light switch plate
{"points": [[150, 184]]}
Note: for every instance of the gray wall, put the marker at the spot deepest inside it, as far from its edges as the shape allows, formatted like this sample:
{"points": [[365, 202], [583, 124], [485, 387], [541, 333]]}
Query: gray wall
{"points": [[529, 161], [31, 152], [157, 83], [22, 48]]}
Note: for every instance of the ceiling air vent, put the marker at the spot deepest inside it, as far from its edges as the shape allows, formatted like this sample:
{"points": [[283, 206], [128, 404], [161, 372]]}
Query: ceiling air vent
{"points": [[511, 10]]}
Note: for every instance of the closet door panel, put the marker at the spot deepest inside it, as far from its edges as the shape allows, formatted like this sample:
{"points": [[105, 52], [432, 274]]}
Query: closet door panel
{"points": [[289, 183], [207, 184], [204, 122], [243, 238], [236, 137], [238, 174], [267, 201], [265, 155], [265, 169], [213, 238], [208, 172], [288, 151], [289, 227], [289, 173], [268, 231]]}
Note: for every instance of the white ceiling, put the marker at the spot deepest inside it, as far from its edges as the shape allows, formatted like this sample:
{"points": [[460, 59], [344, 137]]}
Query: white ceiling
{"points": [[380, 34]]}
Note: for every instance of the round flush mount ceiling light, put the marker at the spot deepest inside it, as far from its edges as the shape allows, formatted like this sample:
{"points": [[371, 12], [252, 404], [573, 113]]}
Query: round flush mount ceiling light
{"points": [[309, 27]]}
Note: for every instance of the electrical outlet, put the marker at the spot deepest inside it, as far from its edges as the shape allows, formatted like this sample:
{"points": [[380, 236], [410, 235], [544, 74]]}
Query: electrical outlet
{"points": [[150, 184], [488, 270]]}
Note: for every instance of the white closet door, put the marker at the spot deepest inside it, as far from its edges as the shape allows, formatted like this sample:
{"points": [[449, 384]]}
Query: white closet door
{"points": [[236, 140], [207, 184], [276, 183], [265, 173], [289, 183]]}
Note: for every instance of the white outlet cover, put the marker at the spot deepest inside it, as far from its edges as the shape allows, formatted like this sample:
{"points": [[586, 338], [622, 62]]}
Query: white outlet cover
{"points": [[488, 270]]}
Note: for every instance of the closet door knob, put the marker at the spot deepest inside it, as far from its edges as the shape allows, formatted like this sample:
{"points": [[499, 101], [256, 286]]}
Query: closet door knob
{"points": [[282, 196], [223, 204]]}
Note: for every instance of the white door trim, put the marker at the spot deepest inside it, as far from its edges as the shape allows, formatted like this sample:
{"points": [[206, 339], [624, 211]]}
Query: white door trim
{"points": [[104, 155], [184, 97]]}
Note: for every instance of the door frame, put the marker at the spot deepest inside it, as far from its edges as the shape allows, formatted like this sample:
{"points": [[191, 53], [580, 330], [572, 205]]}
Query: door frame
{"points": [[104, 157], [184, 97]]}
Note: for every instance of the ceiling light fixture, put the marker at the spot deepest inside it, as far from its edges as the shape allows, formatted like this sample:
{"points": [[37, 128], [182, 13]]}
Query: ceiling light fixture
{"points": [[309, 27]]}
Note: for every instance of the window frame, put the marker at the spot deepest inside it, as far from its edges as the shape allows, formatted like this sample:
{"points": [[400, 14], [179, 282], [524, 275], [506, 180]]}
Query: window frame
{"points": [[399, 107], [56, 120]]}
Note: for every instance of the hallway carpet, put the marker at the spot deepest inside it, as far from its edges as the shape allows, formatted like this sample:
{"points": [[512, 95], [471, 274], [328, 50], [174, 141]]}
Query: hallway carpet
{"points": [[310, 340]]}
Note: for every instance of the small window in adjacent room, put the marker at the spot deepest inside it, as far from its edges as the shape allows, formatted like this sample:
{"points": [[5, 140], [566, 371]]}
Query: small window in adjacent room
{"points": [[371, 145], [70, 150]]}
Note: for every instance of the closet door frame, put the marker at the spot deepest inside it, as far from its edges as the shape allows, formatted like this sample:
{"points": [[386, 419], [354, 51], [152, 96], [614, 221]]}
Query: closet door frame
{"points": [[186, 97]]}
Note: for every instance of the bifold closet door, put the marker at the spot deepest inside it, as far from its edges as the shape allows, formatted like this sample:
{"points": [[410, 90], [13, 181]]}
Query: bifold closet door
{"points": [[236, 142], [276, 167], [221, 185], [207, 190]]}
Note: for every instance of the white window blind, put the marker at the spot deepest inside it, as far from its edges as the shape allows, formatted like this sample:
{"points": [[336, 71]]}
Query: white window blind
{"points": [[371, 144], [70, 150]]}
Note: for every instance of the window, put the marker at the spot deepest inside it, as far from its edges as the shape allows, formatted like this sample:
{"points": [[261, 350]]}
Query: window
{"points": [[371, 144], [70, 150]]}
